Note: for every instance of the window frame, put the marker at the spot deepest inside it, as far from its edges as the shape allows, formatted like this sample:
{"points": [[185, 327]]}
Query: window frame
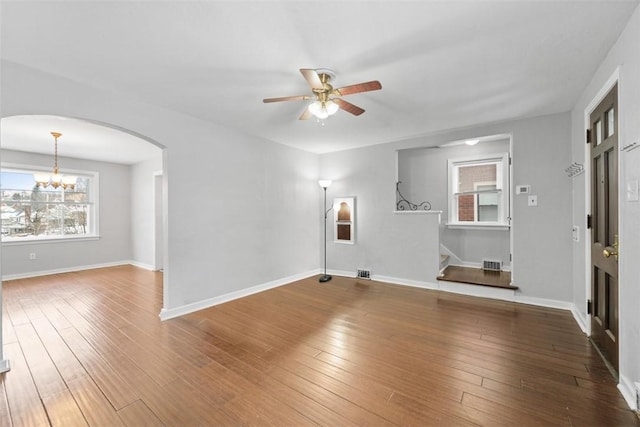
{"points": [[92, 203], [503, 190], [351, 223]]}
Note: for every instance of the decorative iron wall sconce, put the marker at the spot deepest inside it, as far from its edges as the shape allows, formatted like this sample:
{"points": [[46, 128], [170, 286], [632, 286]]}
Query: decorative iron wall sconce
{"points": [[403, 204]]}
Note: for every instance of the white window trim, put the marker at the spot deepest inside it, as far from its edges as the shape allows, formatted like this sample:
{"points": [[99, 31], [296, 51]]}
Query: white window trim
{"points": [[94, 202], [502, 180]]}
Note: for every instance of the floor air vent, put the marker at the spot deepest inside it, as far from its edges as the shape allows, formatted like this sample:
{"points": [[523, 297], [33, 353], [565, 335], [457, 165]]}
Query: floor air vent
{"points": [[491, 265], [363, 274]]}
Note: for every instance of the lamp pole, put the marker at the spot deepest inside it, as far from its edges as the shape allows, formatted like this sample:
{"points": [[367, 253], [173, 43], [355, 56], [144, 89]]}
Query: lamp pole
{"points": [[325, 184]]}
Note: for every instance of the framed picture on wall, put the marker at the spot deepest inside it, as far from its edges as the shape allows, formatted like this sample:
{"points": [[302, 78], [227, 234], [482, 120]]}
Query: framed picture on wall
{"points": [[344, 220]]}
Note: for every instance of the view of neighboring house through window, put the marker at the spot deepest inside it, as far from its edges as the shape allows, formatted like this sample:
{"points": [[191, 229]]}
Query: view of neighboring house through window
{"points": [[479, 191], [31, 212]]}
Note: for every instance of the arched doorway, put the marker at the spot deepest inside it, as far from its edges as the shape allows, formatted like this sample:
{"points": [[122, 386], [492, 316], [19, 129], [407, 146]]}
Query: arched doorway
{"points": [[108, 218]]}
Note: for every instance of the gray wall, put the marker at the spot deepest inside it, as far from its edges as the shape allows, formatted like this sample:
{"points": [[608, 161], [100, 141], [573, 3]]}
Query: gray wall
{"points": [[113, 246], [143, 210], [229, 194], [424, 173], [625, 55], [541, 152]]}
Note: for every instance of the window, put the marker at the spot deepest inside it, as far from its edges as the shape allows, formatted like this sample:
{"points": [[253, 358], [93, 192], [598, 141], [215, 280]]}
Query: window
{"points": [[30, 212], [479, 191], [343, 209]]}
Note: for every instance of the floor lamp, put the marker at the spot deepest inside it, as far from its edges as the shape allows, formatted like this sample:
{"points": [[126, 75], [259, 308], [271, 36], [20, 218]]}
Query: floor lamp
{"points": [[325, 183]]}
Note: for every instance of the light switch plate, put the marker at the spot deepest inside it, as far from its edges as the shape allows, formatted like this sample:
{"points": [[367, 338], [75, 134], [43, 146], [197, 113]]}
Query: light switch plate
{"points": [[532, 200]]}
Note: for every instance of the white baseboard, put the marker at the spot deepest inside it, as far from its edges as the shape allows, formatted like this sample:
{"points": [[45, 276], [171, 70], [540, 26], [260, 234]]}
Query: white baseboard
{"points": [[65, 270], [628, 390], [166, 314], [341, 273], [142, 265], [502, 294], [469, 290], [405, 282], [4, 366], [477, 265], [580, 319]]}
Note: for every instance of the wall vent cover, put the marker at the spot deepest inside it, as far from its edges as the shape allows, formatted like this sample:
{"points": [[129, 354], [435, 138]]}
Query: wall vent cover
{"points": [[491, 265], [363, 273]]}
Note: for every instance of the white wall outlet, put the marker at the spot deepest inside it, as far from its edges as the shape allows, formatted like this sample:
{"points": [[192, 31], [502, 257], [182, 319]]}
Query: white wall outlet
{"points": [[523, 189], [532, 200], [32, 256]]}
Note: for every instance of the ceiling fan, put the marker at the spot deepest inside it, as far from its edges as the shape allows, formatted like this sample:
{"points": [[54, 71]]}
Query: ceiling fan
{"points": [[327, 101]]}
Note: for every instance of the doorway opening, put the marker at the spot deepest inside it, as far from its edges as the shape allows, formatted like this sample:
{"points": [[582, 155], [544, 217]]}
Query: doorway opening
{"points": [[122, 163], [469, 182]]}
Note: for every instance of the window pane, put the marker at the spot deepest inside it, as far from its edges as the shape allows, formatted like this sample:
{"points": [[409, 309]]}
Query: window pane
{"points": [[480, 190], [598, 127], [30, 211], [469, 177], [344, 232], [344, 212], [611, 122], [466, 208]]}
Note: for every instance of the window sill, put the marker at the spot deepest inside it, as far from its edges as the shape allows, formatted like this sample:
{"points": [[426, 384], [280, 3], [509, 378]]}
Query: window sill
{"points": [[478, 226], [58, 239]]}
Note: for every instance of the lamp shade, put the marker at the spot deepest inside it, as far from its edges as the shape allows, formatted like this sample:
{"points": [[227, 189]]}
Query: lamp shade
{"points": [[331, 107], [42, 179], [69, 181], [319, 110], [324, 183]]}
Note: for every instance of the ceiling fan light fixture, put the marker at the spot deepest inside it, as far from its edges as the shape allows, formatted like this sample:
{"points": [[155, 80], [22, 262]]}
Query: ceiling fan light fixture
{"points": [[332, 107], [318, 110], [323, 109]]}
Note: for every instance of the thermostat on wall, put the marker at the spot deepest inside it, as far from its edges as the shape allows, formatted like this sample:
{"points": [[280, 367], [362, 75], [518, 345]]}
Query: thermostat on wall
{"points": [[523, 189]]}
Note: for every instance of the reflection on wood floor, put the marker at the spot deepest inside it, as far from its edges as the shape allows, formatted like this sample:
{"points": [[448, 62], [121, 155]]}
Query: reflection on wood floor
{"points": [[88, 348]]}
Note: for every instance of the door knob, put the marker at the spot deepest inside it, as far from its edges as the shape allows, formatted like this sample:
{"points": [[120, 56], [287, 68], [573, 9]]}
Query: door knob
{"points": [[612, 250]]}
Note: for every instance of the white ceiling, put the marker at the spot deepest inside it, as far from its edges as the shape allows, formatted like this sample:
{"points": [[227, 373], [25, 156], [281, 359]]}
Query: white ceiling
{"points": [[80, 139], [442, 65]]}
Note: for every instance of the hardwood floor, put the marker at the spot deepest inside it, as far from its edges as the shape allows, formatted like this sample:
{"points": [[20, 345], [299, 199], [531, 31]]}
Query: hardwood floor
{"points": [[88, 348]]}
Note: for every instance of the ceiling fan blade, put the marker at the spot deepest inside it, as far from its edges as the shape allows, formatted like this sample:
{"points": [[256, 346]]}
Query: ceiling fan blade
{"points": [[312, 78], [287, 98], [306, 114], [348, 107], [357, 88]]}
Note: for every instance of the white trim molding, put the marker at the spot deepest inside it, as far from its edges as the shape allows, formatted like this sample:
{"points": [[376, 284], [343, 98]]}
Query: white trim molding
{"points": [[5, 366], [166, 314], [502, 294], [74, 269], [628, 391]]}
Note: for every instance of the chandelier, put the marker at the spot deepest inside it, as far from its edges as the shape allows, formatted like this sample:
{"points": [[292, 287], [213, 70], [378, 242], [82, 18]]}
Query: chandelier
{"points": [[56, 179]]}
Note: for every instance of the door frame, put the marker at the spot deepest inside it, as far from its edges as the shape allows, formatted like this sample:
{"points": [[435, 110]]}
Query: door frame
{"points": [[159, 236], [604, 90]]}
